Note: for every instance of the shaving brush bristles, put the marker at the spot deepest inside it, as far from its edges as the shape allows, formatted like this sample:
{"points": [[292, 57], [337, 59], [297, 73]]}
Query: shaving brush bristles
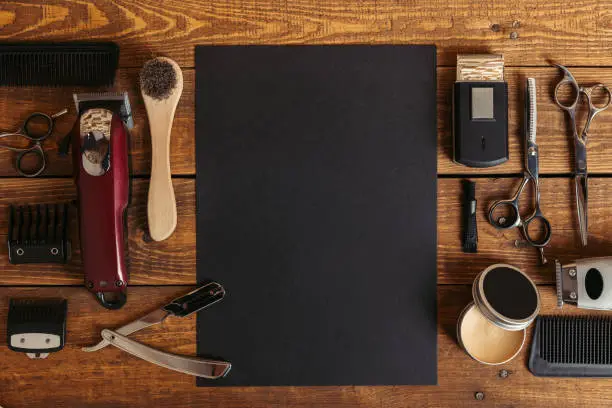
{"points": [[158, 78]]}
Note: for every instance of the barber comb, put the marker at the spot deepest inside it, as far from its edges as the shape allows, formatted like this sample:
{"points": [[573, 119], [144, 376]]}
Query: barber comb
{"points": [[38, 234]]}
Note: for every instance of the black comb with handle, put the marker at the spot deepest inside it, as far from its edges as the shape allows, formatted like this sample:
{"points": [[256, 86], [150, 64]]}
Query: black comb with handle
{"points": [[58, 64], [565, 346]]}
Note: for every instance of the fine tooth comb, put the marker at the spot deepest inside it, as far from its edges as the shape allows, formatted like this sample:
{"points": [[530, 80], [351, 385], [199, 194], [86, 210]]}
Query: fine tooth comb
{"points": [[38, 234], [565, 346], [91, 64]]}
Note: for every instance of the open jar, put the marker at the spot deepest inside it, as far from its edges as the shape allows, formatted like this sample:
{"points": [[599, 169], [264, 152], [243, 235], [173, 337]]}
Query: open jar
{"points": [[492, 328]]}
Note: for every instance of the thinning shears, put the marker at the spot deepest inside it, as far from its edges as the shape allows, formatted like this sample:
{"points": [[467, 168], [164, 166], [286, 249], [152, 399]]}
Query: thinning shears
{"points": [[580, 140], [511, 206], [36, 128]]}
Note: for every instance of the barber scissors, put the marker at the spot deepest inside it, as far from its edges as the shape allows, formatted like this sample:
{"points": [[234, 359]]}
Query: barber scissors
{"points": [[511, 206], [36, 128], [580, 140]]}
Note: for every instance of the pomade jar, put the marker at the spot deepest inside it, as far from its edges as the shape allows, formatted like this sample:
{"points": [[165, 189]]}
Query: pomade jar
{"points": [[492, 328]]}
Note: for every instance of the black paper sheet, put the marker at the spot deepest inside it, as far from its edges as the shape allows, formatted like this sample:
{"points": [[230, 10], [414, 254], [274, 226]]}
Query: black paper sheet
{"points": [[316, 210]]}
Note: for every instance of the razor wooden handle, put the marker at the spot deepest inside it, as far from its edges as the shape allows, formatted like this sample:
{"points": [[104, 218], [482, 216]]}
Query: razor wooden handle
{"points": [[103, 200]]}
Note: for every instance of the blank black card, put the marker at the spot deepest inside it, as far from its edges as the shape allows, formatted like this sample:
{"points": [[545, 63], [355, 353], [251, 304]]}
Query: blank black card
{"points": [[316, 210]]}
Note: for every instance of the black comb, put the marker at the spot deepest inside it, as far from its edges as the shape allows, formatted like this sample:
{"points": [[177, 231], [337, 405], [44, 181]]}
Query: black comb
{"points": [[565, 346], [58, 64], [38, 234]]}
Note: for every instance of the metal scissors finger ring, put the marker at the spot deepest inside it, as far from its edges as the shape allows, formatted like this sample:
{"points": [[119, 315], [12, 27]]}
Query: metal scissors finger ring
{"points": [[504, 214], [544, 225], [36, 128]]}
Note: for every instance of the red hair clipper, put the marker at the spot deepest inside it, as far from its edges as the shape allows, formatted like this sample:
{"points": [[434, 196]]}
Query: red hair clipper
{"points": [[101, 169]]}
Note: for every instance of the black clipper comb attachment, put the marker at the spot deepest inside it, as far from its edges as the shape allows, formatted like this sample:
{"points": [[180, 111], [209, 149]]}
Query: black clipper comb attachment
{"points": [[36, 327], [58, 64], [39, 234], [565, 346]]}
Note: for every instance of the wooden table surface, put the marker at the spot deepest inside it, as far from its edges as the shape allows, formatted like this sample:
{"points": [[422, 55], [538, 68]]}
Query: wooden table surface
{"points": [[529, 33]]}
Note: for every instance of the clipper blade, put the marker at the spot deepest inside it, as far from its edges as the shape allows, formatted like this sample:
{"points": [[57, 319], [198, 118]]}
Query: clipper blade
{"points": [[118, 102], [559, 282]]}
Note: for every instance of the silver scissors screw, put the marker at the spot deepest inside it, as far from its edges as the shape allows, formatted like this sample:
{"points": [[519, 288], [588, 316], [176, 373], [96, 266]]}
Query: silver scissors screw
{"points": [[54, 251], [573, 295], [572, 273], [19, 251]]}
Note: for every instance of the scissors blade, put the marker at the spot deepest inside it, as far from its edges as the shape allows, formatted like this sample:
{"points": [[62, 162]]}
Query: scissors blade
{"points": [[582, 206]]}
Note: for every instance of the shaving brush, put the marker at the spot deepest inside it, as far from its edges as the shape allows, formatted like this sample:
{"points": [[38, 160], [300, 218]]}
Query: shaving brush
{"points": [[161, 85]]}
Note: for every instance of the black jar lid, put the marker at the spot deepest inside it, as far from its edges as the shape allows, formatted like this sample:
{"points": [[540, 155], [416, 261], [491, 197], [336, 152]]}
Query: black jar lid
{"points": [[506, 296]]}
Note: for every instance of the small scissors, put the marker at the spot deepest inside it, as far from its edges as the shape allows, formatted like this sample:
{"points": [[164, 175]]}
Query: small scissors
{"points": [[580, 141], [531, 175], [35, 136]]}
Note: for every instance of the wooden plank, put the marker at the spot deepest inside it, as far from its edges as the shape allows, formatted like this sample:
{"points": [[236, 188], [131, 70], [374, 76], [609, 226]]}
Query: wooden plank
{"points": [[17, 103], [554, 138], [526, 33], [558, 206], [173, 261], [168, 262], [112, 378], [556, 148]]}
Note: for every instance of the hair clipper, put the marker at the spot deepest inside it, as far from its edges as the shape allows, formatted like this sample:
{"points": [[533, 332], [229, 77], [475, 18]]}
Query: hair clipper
{"points": [[101, 171], [587, 283]]}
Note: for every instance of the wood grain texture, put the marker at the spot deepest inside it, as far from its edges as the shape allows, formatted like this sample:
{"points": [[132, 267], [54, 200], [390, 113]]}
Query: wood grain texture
{"points": [[17, 103], [528, 33], [173, 261], [556, 148], [578, 32], [554, 137], [167, 262], [109, 377]]}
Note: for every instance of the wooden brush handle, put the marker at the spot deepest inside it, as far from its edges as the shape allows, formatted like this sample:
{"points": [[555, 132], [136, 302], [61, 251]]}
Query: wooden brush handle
{"points": [[161, 209]]}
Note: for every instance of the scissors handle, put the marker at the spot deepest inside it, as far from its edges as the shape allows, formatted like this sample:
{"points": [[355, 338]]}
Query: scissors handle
{"points": [[594, 109], [38, 126], [504, 222], [513, 218], [37, 151], [542, 239], [570, 107]]}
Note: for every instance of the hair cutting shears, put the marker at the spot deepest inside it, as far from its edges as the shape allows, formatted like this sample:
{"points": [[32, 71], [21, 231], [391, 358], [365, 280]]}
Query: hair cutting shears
{"points": [[580, 140], [36, 128], [510, 207]]}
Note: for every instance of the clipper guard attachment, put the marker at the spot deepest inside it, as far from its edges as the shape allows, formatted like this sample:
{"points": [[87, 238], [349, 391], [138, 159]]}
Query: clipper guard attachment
{"points": [[38, 234]]}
